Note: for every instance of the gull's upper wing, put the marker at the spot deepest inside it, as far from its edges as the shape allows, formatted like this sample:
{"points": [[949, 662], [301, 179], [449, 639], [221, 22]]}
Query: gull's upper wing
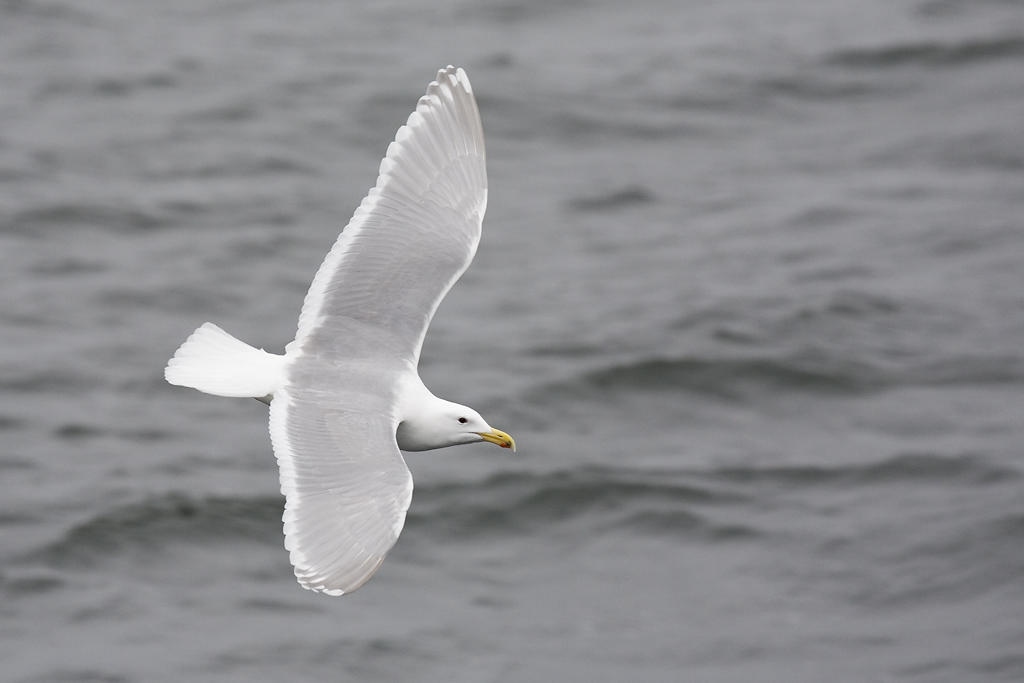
{"points": [[345, 483], [411, 237]]}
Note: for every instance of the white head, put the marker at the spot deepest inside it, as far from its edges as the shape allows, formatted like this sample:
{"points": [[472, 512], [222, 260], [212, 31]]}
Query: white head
{"points": [[436, 423]]}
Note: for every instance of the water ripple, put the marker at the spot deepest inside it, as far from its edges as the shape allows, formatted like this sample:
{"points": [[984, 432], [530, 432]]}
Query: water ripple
{"points": [[931, 53]]}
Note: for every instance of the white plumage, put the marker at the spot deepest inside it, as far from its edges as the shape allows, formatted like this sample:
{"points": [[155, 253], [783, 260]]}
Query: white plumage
{"points": [[346, 395]]}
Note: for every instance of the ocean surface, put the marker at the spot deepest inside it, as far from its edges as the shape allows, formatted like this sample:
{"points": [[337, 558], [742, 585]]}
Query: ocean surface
{"points": [[750, 298]]}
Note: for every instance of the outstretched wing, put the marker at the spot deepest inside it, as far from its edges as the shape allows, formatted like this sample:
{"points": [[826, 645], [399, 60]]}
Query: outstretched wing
{"points": [[411, 238], [345, 483]]}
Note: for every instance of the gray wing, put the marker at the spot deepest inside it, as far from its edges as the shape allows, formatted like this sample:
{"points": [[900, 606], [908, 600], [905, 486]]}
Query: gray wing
{"points": [[411, 238], [345, 484]]}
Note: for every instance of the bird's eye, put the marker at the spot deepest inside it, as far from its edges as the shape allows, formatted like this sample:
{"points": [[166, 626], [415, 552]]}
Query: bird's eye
{"points": [[463, 420]]}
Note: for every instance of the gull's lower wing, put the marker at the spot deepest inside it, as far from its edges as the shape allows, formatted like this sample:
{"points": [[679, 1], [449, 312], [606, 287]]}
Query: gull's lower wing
{"points": [[346, 488], [411, 238]]}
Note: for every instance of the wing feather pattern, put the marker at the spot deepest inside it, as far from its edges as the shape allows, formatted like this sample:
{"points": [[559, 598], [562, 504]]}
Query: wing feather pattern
{"points": [[346, 487], [410, 239]]}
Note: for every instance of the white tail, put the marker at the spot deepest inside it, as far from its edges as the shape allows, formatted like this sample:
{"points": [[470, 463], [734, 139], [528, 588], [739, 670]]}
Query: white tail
{"points": [[213, 361]]}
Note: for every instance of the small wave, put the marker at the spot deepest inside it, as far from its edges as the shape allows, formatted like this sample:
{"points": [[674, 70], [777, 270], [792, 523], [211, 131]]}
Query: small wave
{"points": [[237, 111], [808, 87], [995, 667], [8, 422], [30, 583], [566, 350], [900, 468], [110, 86], [930, 53], [680, 503], [127, 85], [76, 214], [155, 522], [992, 149], [580, 126], [729, 378], [853, 304], [684, 523], [616, 199], [76, 431], [801, 83], [46, 381], [949, 561], [67, 266], [593, 118], [995, 149], [248, 167], [815, 370], [819, 215], [270, 605], [935, 8], [966, 370], [173, 298], [47, 10], [8, 462], [606, 498], [77, 676], [517, 11], [13, 174]]}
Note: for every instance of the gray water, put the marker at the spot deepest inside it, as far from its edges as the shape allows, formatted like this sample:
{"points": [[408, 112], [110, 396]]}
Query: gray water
{"points": [[750, 297]]}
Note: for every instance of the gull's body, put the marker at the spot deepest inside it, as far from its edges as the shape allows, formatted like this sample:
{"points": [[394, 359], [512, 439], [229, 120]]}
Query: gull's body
{"points": [[346, 395]]}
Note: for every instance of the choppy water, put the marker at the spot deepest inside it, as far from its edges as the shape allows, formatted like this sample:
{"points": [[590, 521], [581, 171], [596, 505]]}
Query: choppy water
{"points": [[750, 297]]}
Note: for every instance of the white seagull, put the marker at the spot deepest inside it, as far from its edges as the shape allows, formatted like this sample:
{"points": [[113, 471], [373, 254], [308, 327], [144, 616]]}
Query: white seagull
{"points": [[346, 396]]}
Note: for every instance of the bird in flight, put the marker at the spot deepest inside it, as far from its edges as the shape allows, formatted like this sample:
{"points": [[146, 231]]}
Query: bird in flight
{"points": [[346, 396]]}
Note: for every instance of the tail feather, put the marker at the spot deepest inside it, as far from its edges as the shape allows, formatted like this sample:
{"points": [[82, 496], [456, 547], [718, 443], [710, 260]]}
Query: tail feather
{"points": [[214, 362]]}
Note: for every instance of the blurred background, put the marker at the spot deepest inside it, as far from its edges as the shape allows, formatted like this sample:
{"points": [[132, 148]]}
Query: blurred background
{"points": [[750, 297]]}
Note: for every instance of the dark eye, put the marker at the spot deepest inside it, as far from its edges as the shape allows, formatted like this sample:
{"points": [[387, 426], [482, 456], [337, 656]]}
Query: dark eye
{"points": [[463, 420]]}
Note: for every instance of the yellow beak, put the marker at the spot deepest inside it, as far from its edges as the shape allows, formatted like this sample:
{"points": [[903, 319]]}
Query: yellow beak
{"points": [[496, 436]]}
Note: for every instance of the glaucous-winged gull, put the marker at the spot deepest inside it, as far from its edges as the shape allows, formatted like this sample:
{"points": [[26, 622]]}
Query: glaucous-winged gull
{"points": [[346, 396]]}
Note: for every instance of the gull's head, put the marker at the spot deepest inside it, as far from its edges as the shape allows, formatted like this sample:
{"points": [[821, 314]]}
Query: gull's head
{"points": [[444, 423], [470, 428]]}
